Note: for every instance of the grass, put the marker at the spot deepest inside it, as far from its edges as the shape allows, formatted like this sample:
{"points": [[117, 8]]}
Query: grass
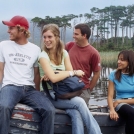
{"points": [[109, 59]]}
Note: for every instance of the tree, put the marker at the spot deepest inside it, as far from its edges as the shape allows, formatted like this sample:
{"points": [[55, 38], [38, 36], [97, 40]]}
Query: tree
{"points": [[35, 22], [80, 16]]}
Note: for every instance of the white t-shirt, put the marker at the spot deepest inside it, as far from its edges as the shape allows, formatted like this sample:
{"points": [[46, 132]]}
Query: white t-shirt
{"points": [[20, 61]]}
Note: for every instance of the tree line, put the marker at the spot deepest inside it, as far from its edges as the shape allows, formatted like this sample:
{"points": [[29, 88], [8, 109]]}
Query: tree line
{"points": [[113, 24]]}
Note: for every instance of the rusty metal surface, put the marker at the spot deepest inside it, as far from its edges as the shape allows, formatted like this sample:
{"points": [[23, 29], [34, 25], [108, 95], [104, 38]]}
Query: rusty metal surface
{"points": [[26, 121], [23, 107], [28, 125], [14, 130], [26, 115]]}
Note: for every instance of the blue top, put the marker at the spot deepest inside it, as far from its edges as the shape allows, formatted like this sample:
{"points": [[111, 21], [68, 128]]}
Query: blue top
{"points": [[124, 88]]}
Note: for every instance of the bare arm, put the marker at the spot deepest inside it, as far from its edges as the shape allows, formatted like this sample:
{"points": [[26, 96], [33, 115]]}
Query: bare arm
{"points": [[68, 65], [129, 101], [110, 95], [37, 78], [112, 112], [1, 71], [94, 80], [55, 77]]}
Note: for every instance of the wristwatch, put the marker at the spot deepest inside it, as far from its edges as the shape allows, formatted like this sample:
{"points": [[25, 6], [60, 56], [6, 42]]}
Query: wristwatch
{"points": [[71, 73]]}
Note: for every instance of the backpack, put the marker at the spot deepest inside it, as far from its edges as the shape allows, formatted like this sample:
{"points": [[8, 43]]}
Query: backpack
{"points": [[65, 89]]}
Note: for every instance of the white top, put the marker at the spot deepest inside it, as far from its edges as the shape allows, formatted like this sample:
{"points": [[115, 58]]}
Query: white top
{"points": [[20, 61], [43, 54]]}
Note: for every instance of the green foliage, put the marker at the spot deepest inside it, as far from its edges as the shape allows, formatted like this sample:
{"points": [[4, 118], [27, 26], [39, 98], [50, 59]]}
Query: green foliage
{"points": [[109, 59], [133, 42], [111, 46]]}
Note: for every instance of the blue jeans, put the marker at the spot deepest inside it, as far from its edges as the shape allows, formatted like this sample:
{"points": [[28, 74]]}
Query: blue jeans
{"points": [[10, 95], [0, 85], [80, 115]]}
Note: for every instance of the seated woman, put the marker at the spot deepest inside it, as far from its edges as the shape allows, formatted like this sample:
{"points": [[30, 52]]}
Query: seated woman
{"points": [[54, 57], [122, 81]]}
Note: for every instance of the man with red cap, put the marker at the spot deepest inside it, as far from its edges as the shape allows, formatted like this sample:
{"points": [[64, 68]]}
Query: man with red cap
{"points": [[19, 75]]}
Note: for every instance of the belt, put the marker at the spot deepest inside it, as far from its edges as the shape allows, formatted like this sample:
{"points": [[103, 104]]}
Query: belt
{"points": [[127, 98]]}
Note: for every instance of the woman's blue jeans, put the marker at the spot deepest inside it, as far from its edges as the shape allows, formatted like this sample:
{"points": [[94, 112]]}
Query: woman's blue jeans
{"points": [[10, 95], [80, 115]]}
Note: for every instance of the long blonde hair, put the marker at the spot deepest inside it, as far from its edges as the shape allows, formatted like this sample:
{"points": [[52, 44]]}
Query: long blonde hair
{"points": [[59, 44]]}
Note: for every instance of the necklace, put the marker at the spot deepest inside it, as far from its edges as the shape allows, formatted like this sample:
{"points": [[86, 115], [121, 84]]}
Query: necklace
{"points": [[124, 73]]}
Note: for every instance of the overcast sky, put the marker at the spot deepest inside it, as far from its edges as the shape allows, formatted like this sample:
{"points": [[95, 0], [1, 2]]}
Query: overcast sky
{"points": [[52, 8]]}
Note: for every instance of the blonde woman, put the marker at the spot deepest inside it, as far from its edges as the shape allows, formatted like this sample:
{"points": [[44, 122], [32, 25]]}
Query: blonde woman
{"points": [[54, 57]]}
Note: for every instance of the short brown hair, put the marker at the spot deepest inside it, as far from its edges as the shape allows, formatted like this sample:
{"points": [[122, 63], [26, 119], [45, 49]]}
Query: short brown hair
{"points": [[85, 29]]}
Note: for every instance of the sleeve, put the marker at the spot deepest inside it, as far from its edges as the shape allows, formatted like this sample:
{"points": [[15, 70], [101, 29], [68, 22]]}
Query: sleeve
{"points": [[65, 53], [96, 65], [1, 53], [43, 54], [112, 76], [69, 45], [36, 62], [66, 47]]}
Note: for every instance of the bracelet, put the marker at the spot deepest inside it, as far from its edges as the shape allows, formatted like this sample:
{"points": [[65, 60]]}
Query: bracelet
{"points": [[75, 73], [71, 73]]}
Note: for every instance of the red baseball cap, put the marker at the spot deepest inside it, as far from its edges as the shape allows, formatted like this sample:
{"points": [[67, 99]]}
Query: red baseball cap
{"points": [[17, 20]]}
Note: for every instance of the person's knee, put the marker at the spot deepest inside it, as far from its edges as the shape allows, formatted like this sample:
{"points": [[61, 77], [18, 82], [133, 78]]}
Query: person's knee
{"points": [[80, 102]]}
